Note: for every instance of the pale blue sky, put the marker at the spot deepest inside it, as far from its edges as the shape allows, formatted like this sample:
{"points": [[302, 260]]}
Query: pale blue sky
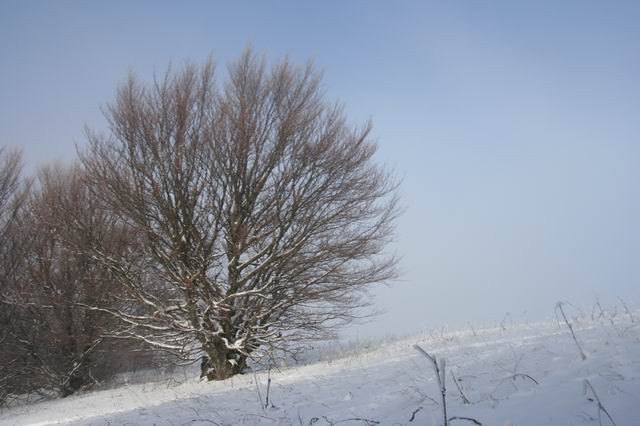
{"points": [[515, 125]]}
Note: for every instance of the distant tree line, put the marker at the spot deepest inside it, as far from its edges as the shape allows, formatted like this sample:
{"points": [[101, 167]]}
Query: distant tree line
{"points": [[212, 222]]}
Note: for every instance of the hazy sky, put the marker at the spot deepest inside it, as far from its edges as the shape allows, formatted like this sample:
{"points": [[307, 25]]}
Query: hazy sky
{"points": [[515, 126]]}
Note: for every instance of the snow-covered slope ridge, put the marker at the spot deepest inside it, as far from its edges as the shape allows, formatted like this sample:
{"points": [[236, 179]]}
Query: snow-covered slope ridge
{"points": [[392, 384]]}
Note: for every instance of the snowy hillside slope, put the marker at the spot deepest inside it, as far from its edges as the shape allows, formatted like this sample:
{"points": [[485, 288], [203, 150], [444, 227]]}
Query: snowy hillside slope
{"points": [[497, 370]]}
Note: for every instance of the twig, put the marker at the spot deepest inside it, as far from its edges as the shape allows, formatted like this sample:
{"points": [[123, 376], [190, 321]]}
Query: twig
{"points": [[575, 339], [601, 408], [603, 314], [255, 377], [504, 320], [423, 395], [266, 403], [413, 415], [469, 419], [524, 376], [368, 422], [626, 309], [512, 377], [472, 329], [464, 398], [593, 310], [440, 376]]}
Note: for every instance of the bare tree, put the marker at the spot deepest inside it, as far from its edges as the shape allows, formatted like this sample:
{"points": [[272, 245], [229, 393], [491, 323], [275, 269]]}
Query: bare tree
{"points": [[54, 344], [262, 214], [13, 190]]}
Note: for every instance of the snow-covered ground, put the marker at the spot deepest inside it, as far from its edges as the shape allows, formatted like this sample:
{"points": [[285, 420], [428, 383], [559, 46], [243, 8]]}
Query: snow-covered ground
{"points": [[392, 384]]}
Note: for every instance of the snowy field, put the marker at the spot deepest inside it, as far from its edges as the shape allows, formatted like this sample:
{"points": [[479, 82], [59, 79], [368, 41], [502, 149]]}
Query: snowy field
{"points": [[513, 374]]}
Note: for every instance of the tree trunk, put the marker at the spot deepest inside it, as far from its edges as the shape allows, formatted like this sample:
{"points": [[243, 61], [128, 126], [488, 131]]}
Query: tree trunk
{"points": [[74, 384], [219, 363]]}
